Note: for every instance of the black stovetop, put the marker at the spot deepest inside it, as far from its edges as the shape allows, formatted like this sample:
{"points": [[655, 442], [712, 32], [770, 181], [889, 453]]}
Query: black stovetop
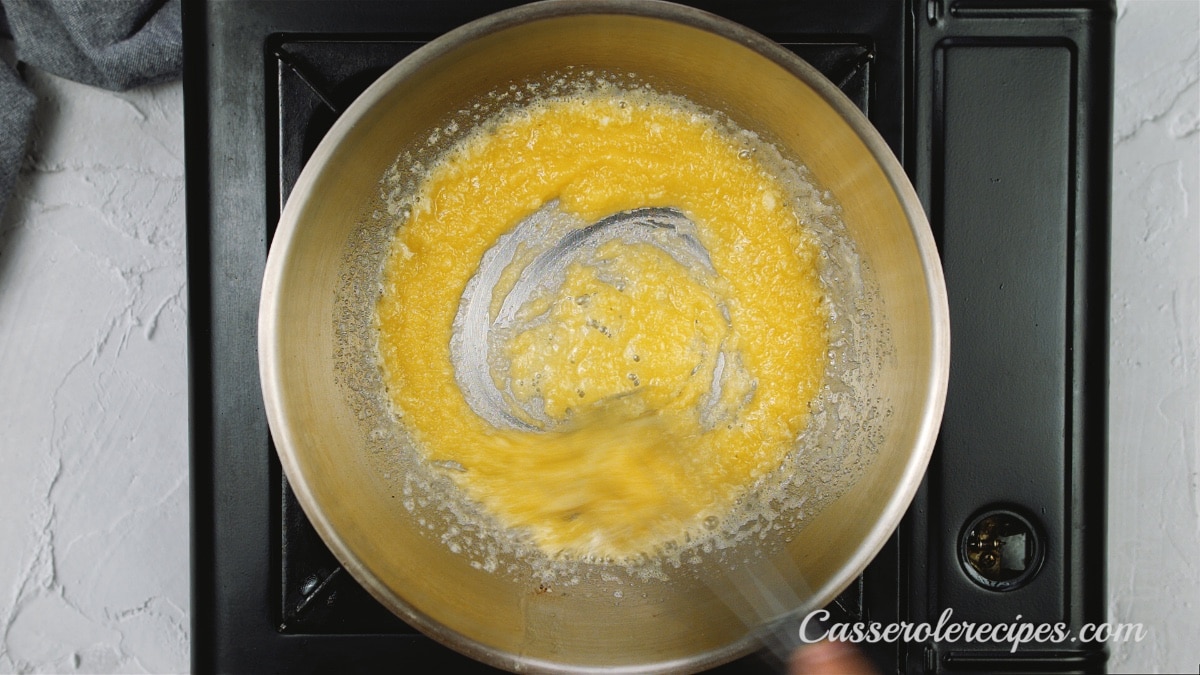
{"points": [[1000, 112]]}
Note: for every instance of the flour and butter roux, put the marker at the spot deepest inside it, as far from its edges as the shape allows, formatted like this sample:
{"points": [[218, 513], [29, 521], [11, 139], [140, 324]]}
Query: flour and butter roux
{"points": [[651, 393]]}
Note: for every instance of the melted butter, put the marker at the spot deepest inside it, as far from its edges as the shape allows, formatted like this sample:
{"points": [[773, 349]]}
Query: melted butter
{"points": [[622, 356]]}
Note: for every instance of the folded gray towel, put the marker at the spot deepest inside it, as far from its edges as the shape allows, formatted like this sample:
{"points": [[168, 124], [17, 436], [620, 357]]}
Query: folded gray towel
{"points": [[115, 44]]}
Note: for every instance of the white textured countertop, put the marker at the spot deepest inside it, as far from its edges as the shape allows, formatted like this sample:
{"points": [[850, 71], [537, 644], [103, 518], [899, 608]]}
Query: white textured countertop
{"points": [[93, 407]]}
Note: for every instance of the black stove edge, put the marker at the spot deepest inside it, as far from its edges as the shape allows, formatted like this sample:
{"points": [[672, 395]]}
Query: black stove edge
{"points": [[200, 405]]}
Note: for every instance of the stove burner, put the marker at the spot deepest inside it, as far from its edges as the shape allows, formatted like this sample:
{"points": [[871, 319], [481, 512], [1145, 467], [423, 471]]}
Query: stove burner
{"points": [[318, 78], [1000, 112]]}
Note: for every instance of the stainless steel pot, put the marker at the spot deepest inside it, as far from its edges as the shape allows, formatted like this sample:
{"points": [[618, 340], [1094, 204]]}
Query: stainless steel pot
{"points": [[315, 406]]}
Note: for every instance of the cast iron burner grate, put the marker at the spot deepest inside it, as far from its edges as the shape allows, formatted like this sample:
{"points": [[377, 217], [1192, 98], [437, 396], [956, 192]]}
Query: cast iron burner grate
{"points": [[317, 80]]}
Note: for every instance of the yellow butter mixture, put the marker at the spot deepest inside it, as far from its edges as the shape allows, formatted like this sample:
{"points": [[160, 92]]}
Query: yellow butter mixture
{"points": [[650, 392]]}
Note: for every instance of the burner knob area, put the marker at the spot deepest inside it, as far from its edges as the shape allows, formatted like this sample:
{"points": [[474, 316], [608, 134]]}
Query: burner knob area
{"points": [[1000, 550]]}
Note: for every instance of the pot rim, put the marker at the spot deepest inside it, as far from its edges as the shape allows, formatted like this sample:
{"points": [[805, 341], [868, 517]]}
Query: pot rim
{"points": [[269, 352]]}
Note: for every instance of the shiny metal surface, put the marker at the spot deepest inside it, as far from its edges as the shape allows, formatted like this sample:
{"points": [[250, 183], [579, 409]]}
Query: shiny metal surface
{"points": [[681, 624]]}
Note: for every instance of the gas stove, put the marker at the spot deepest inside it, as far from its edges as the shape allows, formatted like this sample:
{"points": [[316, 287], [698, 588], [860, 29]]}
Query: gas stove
{"points": [[1000, 112]]}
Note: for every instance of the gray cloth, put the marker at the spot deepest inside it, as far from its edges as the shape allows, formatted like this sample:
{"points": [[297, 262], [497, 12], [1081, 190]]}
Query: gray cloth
{"points": [[16, 118], [115, 44]]}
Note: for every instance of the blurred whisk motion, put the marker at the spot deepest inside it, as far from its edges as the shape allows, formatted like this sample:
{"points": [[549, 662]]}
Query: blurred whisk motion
{"points": [[607, 480], [759, 593]]}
